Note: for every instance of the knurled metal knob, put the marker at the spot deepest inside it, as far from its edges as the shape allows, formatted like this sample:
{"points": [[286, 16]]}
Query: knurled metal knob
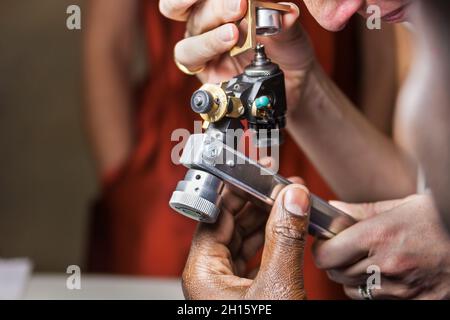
{"points": [[194, 207], [198, 196], [202, 101]]}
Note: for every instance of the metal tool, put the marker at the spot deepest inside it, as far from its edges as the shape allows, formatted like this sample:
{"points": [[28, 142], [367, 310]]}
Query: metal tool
{"points": [[268, 22], [264, 19], [198, 196], [257, 96], [212, 161]]}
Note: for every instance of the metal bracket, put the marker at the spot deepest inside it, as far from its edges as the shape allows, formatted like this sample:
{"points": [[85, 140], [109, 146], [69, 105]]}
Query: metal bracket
{"points": [[250, 40], [261, 185]]}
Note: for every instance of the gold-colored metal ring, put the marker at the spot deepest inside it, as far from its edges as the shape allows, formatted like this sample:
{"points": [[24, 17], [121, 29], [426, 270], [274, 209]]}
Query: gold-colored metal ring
{"points": [[185, 70]]}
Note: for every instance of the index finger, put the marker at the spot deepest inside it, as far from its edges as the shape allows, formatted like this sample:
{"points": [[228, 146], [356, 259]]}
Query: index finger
{"points": [[176, 9], [208, 237], [346, 248]]}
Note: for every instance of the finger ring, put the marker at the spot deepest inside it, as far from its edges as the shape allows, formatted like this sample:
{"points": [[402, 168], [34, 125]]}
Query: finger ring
{"points": [[185, 69], [365, 292]]}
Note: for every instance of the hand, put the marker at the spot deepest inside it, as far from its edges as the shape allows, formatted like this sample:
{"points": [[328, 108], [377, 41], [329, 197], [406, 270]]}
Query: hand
{"points": [[217, 263], [404, 238], [212, 33]]}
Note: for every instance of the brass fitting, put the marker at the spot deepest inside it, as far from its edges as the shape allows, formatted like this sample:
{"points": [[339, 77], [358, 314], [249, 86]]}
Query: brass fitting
{"points": [[213, 104], [219, 107]]}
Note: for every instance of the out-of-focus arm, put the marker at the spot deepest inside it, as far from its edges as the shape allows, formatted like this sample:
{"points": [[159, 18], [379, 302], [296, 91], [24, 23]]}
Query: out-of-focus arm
{"points": [[108, 51]]}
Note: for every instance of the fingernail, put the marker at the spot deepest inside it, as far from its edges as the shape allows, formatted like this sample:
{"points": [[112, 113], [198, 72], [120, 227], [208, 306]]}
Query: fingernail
{"points": [[295, 7], [296, 201], [234, 5], [226, 33]]}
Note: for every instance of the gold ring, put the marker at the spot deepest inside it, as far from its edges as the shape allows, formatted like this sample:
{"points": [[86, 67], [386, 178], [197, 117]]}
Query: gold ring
{"points": [[185, 70]]}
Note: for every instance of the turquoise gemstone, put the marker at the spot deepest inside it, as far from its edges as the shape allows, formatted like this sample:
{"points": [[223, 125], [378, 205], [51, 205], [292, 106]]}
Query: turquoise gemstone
{"points": [[262, 102]]}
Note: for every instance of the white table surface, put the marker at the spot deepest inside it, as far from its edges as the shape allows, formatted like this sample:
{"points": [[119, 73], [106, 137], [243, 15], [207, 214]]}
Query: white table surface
{"points": [[94, 287]]}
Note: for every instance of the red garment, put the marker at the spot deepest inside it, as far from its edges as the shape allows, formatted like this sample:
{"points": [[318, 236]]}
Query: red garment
{"points": [[134, 230]]}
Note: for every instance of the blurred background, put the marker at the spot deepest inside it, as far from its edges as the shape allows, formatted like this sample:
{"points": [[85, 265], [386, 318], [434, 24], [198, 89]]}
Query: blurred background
{"points": [[47, 180], [59, 206]]}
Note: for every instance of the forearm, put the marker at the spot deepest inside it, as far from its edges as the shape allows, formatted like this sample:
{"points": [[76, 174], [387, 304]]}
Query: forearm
{"points": [[108, 112], [108, 85], [358, 162]]}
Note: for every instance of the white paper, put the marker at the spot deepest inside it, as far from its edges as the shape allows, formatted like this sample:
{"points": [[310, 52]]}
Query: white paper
{"points": [[14, 277]]}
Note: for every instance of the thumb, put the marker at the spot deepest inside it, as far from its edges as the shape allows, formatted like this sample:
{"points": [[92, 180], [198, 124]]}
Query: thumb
{"points": [[286, 231]]}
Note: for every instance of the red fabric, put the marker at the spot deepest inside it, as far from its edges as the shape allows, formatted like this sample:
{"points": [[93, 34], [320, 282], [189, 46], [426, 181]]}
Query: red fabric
{"points": [[134, 230]]}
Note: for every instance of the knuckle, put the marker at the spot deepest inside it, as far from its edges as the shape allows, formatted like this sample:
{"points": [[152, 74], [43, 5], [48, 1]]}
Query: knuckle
{"points": [[221, 10], [192, 26], [174, 9], [394, 265], [388, 267], [194, 23], [212, 45], [288, 235], [377, 236], [165, 8], [208, 48]]}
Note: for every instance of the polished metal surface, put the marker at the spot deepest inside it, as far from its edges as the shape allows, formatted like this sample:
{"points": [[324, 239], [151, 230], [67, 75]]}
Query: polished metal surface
{"points": [[268, 22], [198, 196], [204, 152]]}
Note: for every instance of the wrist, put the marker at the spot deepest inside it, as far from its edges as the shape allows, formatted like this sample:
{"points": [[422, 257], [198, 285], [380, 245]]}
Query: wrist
{"points": [[308, 92]]}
